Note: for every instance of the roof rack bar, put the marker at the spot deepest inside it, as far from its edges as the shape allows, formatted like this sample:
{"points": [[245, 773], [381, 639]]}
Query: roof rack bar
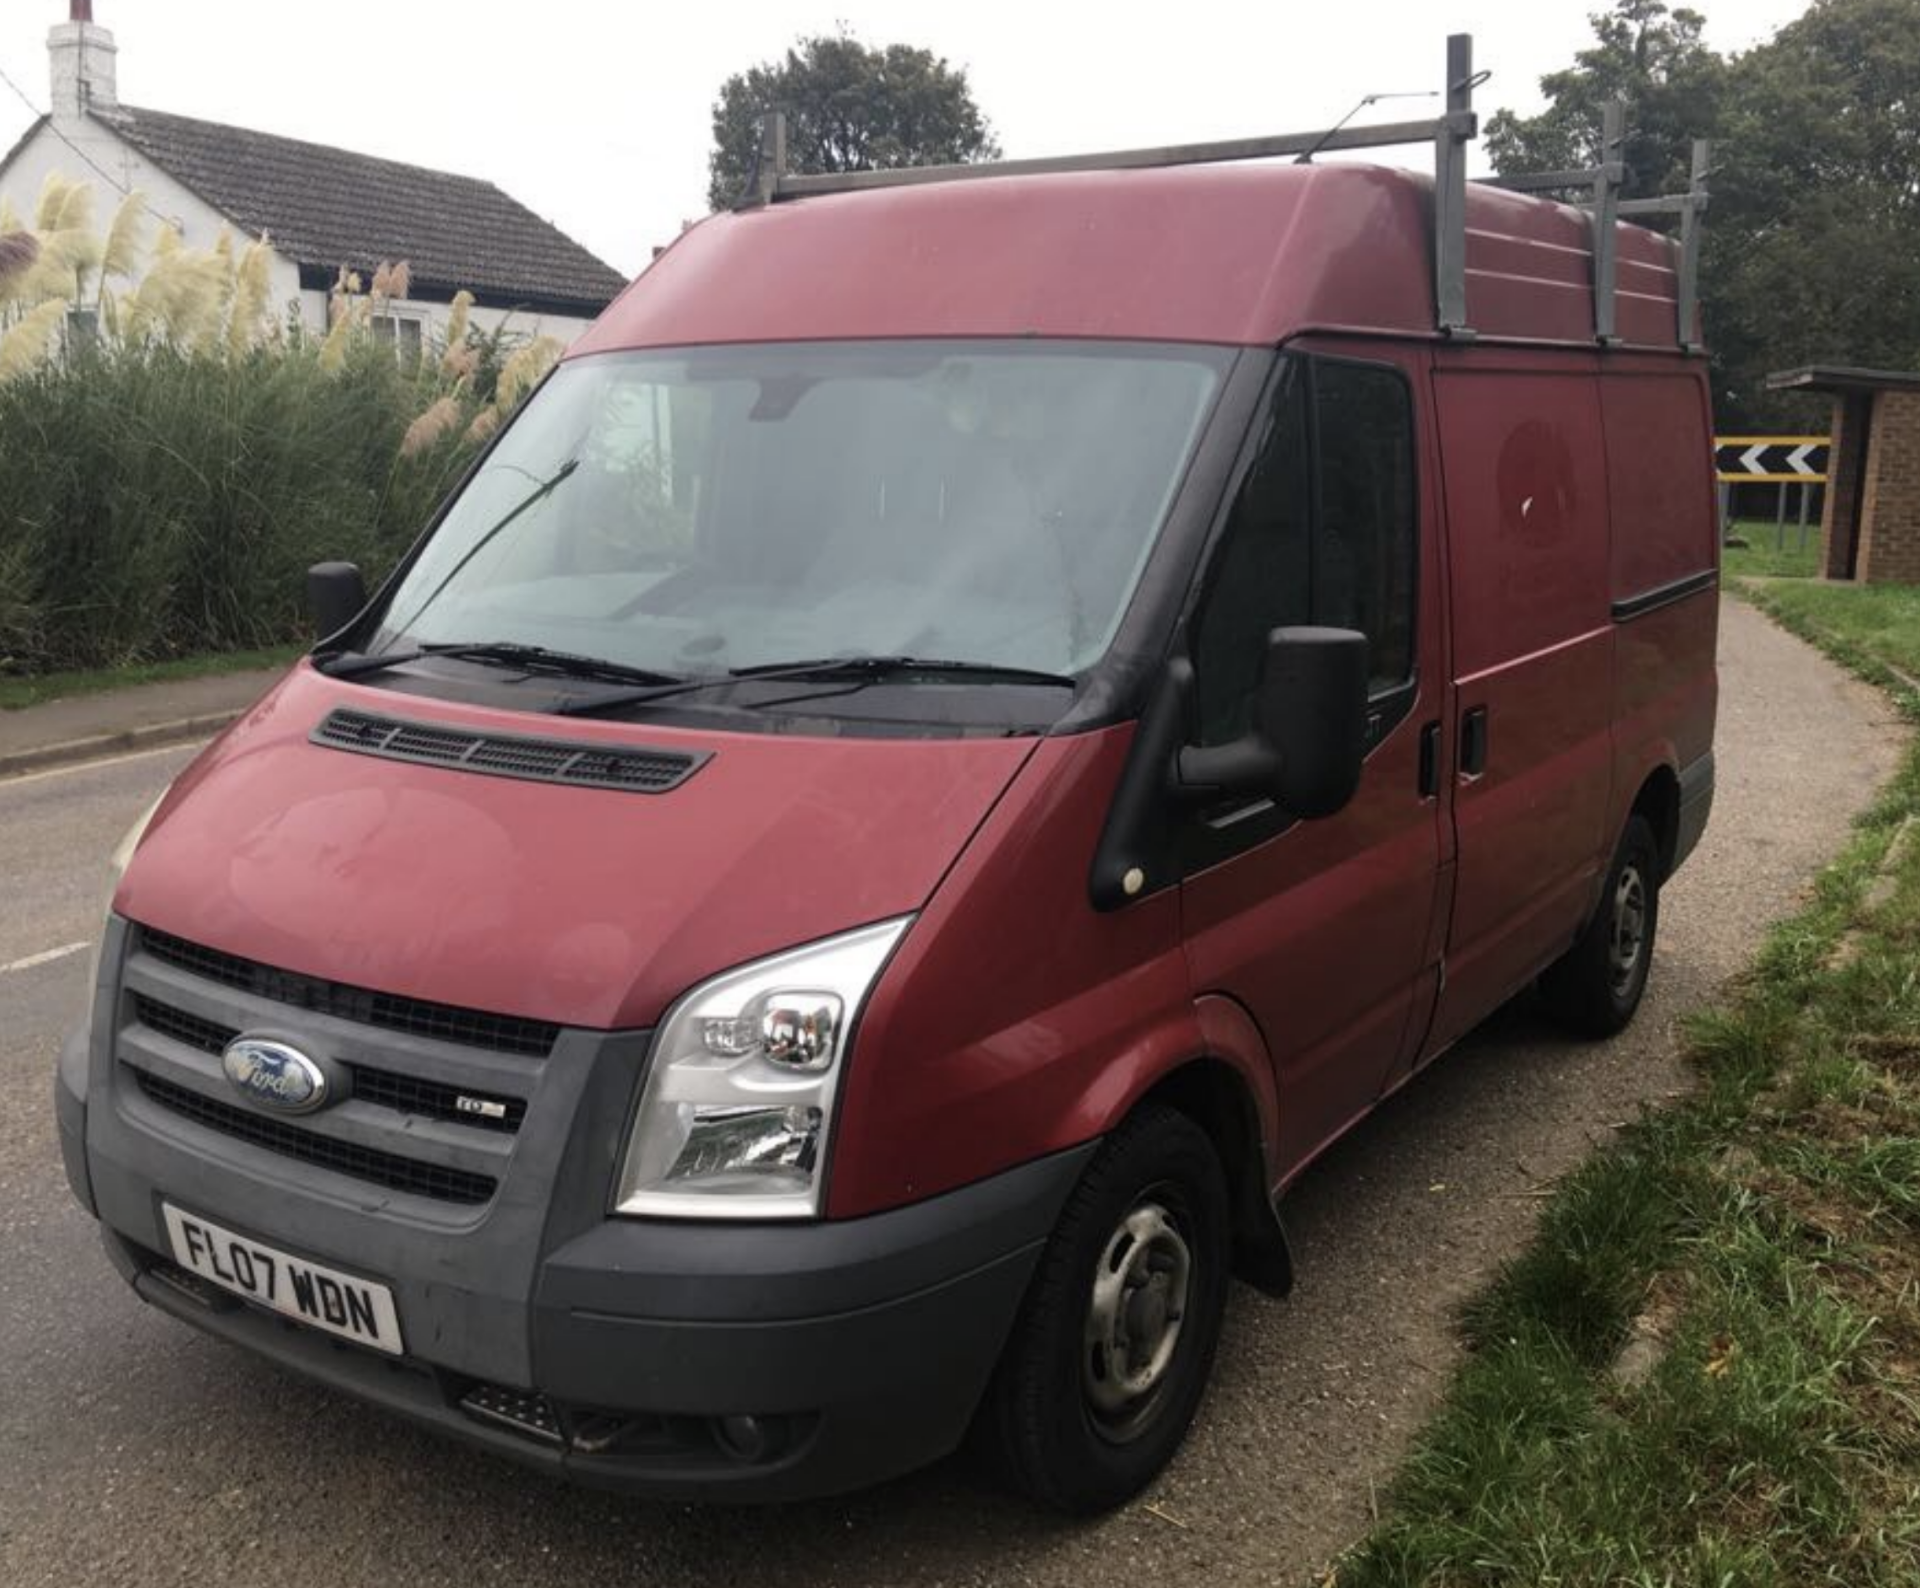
{"points": [[1608, 178], [1450, 191], [770, 181], [1264, 148], [770, 159], [1693, 207]]}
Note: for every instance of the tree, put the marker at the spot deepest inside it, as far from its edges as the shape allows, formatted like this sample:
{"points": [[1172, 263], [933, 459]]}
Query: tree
{"points": [[1812, 245], [1813, 242], [1653, 58], [850, 107]]}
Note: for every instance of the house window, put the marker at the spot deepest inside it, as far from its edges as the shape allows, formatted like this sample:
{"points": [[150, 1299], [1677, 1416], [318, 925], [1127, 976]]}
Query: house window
{"points": [[404, 332]]}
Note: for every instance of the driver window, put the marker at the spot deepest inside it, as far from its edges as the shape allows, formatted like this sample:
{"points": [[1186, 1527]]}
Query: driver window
{"points": [[1321, 531]]}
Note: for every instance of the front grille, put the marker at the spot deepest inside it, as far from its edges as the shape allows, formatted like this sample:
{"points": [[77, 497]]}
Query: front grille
{"points": [[209, 1036], [634, 771], [434, 1181], [416, 1017], [410, 1094]]}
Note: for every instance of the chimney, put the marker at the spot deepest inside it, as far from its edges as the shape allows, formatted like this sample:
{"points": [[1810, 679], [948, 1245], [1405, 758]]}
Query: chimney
{"points": [[81, 53]]}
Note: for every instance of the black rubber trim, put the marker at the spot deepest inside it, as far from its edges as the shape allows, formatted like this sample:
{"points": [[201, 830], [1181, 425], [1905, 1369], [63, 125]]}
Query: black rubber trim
{"points": [[1635, 606], [1696, 805]]}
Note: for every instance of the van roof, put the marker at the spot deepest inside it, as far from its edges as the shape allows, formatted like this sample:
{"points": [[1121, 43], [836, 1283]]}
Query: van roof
{"points": [[1235, 254]]}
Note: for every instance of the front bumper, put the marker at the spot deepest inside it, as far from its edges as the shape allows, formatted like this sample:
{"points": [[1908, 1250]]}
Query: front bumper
{"points": [[615, 1352]]}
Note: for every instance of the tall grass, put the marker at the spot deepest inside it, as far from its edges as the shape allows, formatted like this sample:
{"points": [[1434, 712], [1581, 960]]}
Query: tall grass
{"points": [[173, 462], [161, 502]]}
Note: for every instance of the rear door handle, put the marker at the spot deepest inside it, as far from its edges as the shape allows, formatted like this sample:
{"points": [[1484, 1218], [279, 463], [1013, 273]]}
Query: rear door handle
{"points": [[1473, 742]]}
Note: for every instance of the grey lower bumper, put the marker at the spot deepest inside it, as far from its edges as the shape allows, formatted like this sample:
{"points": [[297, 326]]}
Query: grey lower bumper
{"points": [[70, 1114], [862, 1346]]}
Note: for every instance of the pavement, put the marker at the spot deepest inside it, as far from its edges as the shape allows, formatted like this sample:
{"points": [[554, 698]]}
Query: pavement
{"points": [[134, 1451], [87, 727]]}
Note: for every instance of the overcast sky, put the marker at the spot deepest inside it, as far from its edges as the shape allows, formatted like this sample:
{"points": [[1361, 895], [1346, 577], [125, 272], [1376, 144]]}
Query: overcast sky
{"points": [[597, 114]]}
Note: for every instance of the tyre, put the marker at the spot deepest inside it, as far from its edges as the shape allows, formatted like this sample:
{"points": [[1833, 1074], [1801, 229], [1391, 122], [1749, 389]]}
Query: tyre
{"points": [[1595, 987], [1110, 1355]]}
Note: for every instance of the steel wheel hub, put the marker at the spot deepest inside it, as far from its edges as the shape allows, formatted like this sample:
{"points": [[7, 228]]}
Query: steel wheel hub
{"points": [[1628, 939], [1139, 1301]]}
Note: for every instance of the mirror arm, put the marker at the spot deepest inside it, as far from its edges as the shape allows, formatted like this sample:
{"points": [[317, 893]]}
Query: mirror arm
{"points": [[1210, 772]]}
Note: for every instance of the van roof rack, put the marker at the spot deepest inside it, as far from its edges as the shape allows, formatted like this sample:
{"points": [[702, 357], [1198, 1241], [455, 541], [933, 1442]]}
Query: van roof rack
{"points": [[1602, 184], [770, 182]]}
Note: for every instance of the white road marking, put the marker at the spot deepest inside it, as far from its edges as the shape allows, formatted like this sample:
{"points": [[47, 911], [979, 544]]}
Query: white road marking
{"points": [[46, 957], [7, 783]]}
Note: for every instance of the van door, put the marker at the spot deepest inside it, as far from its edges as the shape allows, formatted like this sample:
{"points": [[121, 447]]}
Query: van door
{"points": [[1321, 929], [1524, 463]]}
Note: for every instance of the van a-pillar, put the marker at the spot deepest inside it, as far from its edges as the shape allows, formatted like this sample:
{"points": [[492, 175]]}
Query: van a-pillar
{"points": [[1872, 515]]}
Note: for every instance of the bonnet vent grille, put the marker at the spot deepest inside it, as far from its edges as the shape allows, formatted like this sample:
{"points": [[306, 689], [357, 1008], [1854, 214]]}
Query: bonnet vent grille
{"points": [[637, 771]]}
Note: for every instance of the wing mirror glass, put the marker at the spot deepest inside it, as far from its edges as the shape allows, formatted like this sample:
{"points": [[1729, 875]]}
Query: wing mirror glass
{"points": [[1308, 739]]}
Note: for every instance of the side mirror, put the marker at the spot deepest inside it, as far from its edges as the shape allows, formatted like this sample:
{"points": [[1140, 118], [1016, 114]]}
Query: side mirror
{"points": [[1309, 736], [336, 593]]}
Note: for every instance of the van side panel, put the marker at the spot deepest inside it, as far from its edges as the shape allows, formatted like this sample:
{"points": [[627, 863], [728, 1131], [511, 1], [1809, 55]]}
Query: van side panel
{"points": [[1526, 495], [1015, 1019], [1665, 557]]}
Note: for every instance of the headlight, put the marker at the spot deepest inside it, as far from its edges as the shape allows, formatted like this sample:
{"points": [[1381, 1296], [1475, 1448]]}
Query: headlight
{"points": [[738, 1104]]}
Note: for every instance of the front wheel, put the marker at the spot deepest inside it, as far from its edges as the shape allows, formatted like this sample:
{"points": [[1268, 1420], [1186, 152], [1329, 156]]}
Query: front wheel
{"points": [[1596, 986], [1111, 1353]]}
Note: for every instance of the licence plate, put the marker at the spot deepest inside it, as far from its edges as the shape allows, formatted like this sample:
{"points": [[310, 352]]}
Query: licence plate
{"points": [[355, 1309]]}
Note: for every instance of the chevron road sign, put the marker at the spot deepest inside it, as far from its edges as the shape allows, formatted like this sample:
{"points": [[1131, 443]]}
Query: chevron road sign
{"points": [[1781, 460]]}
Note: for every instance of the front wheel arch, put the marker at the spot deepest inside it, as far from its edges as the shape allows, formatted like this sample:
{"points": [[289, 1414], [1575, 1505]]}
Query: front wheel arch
{"points": [[1212, 1093]]}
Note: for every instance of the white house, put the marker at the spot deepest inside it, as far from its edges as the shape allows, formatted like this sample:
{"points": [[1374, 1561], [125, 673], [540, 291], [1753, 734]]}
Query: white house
{"points": [[320, 208]]}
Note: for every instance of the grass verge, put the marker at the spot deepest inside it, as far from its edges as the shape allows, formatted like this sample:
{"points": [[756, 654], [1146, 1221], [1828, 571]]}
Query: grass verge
{"points": [[1759, 555], [17, 693], [1761, 1240]]}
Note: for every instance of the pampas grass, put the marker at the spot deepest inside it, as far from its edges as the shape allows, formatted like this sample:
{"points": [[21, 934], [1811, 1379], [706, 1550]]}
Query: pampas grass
{"points": [[167, 479], [457, 315], [29, 342], [432, 427], [52, 202], [524, 370], [251, 283], [486, 424], [121, 256]]}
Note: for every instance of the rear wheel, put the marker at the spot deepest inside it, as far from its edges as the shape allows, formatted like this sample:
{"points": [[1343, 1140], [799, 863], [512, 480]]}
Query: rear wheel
{"points": [[1596, 986], [1110, 1356]]}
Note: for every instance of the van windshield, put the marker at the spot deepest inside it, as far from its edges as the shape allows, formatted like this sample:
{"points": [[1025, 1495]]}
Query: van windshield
{"points": [[697, 511]]}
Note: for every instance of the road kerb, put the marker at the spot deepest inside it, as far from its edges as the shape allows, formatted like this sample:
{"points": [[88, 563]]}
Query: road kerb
{"points": [[96, 747]]}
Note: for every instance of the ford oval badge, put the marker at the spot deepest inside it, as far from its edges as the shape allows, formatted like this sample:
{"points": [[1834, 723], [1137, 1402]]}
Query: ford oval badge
{"points": [[275, 1074]]}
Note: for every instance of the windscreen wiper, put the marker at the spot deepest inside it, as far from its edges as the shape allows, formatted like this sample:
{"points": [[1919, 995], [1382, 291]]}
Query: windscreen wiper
{"points": [[861, 670], [534, 658]]}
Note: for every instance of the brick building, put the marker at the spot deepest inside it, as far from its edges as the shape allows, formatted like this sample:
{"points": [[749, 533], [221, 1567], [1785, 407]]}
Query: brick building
{"points": [[1872, 516]]}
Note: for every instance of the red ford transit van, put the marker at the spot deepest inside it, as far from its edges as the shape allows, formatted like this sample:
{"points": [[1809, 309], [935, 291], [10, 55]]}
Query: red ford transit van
{"points": [[965, 734]]}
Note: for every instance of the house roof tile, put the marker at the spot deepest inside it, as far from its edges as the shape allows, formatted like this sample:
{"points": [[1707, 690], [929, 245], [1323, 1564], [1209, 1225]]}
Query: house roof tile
{"points": [[325, 207]]}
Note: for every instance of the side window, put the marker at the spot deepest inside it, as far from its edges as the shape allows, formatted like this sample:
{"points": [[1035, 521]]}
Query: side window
{"points": [[1262, 575], [1365, 541], [1323, 530]]}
